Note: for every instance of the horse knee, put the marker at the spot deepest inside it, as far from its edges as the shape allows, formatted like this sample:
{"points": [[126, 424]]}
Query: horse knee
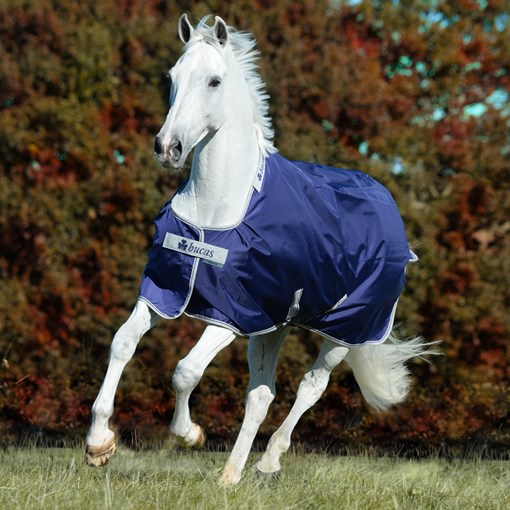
{"points": [[129, 334], [124, 343], [258, 401], [186, 376]]}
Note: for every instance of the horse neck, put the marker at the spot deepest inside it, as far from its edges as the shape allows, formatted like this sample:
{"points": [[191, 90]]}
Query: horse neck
{"points": [[221, 178]]}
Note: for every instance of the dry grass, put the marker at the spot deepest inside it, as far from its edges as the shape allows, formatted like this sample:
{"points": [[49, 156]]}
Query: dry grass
{"points": [[58, 479]]}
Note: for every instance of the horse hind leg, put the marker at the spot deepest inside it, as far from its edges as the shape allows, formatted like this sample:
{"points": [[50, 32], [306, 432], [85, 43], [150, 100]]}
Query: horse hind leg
{"points": [[187, 375], [100, 443], [310, 390], [379, 370]]}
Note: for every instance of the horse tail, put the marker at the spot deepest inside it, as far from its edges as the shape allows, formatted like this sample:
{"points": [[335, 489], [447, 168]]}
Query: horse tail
{"points": [[381, 372]]}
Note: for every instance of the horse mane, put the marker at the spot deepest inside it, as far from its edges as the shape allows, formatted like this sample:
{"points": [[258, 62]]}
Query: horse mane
{"points": [[243, 46]]}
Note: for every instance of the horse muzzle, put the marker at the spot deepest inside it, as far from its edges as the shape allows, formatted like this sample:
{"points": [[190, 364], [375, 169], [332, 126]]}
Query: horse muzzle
{"points": [[168, 155]]}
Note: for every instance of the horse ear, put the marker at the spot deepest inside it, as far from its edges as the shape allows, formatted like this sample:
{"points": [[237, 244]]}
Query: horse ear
{"points": [[220, 31], [185, 29]]}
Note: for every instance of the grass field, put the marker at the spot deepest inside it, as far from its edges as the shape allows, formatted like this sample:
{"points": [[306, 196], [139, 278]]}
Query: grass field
{"points": [[59, 479]]}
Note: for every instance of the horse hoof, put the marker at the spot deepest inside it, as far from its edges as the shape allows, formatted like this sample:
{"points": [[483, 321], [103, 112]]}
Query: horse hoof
{"points": [[267, 477], [230, 476], [99, 455], [199, 443], [194, 440]]}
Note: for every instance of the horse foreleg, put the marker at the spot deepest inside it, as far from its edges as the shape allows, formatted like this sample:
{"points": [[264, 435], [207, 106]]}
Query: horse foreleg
{"points": [[186, 376], [262, 357], [310, 390], [100, 439]]}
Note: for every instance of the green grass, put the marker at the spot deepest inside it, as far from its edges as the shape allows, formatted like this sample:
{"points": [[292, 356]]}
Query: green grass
{"points": [[58, 479]]}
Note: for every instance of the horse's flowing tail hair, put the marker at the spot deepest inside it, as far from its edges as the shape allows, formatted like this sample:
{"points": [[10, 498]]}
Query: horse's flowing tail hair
{"points": [[380, 369]]}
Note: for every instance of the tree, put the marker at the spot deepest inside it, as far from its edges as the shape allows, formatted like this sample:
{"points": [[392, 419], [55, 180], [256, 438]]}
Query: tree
{"points": [[414, 93]]}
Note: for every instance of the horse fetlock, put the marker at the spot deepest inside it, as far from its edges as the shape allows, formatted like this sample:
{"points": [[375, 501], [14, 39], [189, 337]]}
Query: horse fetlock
{"points": [[279, 443], [270, 461], [98, 436], [102, 412]]}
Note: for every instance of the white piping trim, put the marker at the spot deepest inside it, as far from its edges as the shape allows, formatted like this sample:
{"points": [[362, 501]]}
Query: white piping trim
{"points": [[262, 164], [347, 344], [159, 312], [339, 302], [238, 332], [191, 284]]}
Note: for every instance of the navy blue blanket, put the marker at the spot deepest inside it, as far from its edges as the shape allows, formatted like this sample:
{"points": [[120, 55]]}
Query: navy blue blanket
{"points": [[319, 247]]}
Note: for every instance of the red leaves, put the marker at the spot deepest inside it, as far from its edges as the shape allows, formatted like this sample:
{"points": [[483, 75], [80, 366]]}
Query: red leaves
{"points": [[452, 136], [50, 167], [20, 27], [463, 222], [23, 244], [92, 281], [459, 279], [128, 117]]}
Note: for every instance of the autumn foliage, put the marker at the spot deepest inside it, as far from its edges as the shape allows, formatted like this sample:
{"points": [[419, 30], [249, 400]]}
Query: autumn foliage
{"points": [[415, 93]]}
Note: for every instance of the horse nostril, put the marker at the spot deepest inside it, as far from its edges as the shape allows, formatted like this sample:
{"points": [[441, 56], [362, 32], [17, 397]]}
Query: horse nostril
{"points": [[176, 150], [158, 148]]}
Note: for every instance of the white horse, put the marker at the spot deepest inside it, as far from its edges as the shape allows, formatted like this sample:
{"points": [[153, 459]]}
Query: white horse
{"points": [[219, 108]]}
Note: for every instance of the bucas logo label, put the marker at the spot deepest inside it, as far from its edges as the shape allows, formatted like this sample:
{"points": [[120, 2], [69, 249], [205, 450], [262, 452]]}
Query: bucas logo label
{"points": [[200, 251], [209, 253]]}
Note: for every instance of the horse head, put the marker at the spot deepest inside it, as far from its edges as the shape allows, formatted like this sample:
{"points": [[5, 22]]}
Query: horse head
{"points": [[205, 90]]}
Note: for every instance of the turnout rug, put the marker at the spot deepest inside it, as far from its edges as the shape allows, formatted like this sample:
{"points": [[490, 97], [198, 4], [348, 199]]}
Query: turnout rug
{"points": [[318, 247]]}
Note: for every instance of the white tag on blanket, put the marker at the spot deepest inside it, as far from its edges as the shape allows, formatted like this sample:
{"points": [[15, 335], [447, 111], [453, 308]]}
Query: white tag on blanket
{"points": [[207, 252]]}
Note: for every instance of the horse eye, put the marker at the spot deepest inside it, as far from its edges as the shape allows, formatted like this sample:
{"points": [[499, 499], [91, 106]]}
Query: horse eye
{"points": [[215, 82]]}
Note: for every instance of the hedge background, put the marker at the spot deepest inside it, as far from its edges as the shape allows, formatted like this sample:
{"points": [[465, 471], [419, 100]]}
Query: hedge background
{"points": [[416, 93]]}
